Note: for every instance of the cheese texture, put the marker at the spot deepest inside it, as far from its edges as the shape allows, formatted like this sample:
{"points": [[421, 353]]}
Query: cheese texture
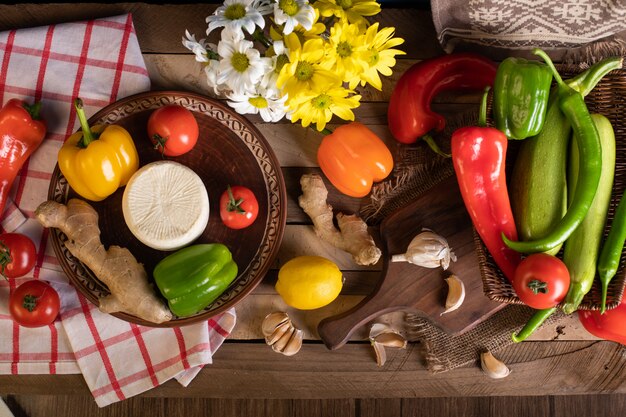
{"points": [[166, 205]]}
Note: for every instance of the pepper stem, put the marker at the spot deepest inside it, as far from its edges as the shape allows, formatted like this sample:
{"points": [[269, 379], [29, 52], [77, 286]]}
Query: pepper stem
{"points": [[88, 136], [482, 113], [433, 145], [605, 285], [33, 110], [550, 64]]}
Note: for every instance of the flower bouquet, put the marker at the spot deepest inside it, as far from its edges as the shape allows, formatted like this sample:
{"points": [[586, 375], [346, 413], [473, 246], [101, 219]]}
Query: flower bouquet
{"points": [[294, 58]]}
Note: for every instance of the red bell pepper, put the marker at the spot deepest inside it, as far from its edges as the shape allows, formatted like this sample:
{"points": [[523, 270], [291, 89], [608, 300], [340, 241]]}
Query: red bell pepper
{"points": [[409, 115], [478, 156], [21, 132], [609, 326]]}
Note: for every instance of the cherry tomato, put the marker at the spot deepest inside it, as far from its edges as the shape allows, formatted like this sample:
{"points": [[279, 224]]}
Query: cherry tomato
{"points": [[541, 281], [238, 207], [17, 254], [173, 130], [34, 304]]}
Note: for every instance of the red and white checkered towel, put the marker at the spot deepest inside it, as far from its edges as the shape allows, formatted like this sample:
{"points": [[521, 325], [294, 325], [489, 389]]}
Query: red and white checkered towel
{"points": [[101, 62]]}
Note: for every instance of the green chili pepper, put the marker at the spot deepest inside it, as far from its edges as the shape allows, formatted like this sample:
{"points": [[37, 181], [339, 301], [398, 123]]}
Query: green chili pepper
{"points": [[193, 277], [612, 250], [573, 106], [533, 324], [538, 187], [520, 97]]}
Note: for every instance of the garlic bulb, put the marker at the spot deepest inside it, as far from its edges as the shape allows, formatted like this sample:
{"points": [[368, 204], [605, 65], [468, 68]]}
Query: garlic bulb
{"points": [[429, 250]]}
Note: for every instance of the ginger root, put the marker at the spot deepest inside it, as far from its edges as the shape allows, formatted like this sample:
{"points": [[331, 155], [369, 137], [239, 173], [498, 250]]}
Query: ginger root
{"points": [[116, 267], [352, 236]]}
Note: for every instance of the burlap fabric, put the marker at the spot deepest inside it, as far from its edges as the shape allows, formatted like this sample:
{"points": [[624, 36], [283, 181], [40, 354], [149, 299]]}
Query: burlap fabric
{"points": [[417, 170]]}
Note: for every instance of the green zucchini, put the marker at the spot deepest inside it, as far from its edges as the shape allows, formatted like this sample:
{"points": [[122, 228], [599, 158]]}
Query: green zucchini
{"points": [[583, 246], [539, 178], [538, 186]]}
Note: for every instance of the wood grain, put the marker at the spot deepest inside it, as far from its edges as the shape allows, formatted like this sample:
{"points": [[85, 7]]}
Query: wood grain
{"points": [[254, 371]]}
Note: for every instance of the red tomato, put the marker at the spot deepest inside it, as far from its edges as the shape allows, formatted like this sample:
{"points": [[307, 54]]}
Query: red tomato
{"points": [[34, 304], [238, 207], [173, 130], [541, 281], [17, 254]]}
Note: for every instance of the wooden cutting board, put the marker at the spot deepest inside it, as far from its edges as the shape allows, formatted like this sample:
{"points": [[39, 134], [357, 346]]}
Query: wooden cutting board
{"points": [[411, 288]]}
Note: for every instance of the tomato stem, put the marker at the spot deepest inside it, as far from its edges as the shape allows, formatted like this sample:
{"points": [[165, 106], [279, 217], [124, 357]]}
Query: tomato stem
{"points": [[30, 302], [234, 205], [538, 286], [159, 142], [5, 258]]}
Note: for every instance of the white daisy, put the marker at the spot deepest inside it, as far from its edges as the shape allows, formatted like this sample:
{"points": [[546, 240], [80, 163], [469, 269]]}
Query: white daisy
{"points": [[264, 102], [199, 48], [236, 15], [263, 6], [292, 13], [241, 65], [280, 57], [212, 71]]}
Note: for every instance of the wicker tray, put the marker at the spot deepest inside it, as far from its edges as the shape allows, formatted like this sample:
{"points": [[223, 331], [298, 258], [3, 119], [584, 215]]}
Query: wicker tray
{"points": [[609, 99]]}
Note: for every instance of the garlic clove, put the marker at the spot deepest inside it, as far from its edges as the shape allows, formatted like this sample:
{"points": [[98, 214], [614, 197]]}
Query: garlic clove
{"points": [[494, 368], [280, 344], [456, 294], [391, 339], [294, 344], [272, 321], [279, 332], [382, 335], [381, 354]]}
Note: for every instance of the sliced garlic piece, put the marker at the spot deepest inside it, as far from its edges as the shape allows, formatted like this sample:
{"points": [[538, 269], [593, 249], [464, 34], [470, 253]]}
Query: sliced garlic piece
{"points": [[272, 321], [381, 354], [456, 294], [494, 368], [294, 344], [381, 336], [395, 340], [280, 333]]}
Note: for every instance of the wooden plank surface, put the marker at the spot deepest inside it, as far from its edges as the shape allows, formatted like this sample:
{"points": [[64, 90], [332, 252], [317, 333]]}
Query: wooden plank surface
{"points": [[252, 371]]}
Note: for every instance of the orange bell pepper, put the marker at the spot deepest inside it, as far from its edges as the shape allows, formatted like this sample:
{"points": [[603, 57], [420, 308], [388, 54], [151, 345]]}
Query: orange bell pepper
{"points": [[353, 158]]}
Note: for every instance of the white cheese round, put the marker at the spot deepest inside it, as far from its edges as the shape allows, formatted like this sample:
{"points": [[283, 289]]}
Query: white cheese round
{"points": [[166, 205]]}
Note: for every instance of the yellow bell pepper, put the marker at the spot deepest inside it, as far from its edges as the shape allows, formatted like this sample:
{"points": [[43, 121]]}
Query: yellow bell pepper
{"points": [[97, 160]]}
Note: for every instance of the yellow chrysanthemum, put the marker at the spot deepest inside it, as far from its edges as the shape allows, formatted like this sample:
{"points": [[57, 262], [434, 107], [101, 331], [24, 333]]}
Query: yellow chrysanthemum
{"points": [[380, 55], [351, 10], [303, 71], [345, 53], [318, 105]]}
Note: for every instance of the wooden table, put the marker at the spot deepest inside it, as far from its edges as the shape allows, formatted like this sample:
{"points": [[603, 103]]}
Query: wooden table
{"points": [[562, 369]]}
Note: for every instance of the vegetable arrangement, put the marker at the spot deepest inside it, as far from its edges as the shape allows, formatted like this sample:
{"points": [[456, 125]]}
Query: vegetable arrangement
{"points": [[560, 189], [561, 182]]}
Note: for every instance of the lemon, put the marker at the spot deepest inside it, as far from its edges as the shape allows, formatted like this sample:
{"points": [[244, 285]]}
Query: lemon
{"points": [[309, 282]]}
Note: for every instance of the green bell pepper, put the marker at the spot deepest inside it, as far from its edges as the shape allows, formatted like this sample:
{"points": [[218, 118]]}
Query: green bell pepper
{"points": [[520, 97], [193, 277]]}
